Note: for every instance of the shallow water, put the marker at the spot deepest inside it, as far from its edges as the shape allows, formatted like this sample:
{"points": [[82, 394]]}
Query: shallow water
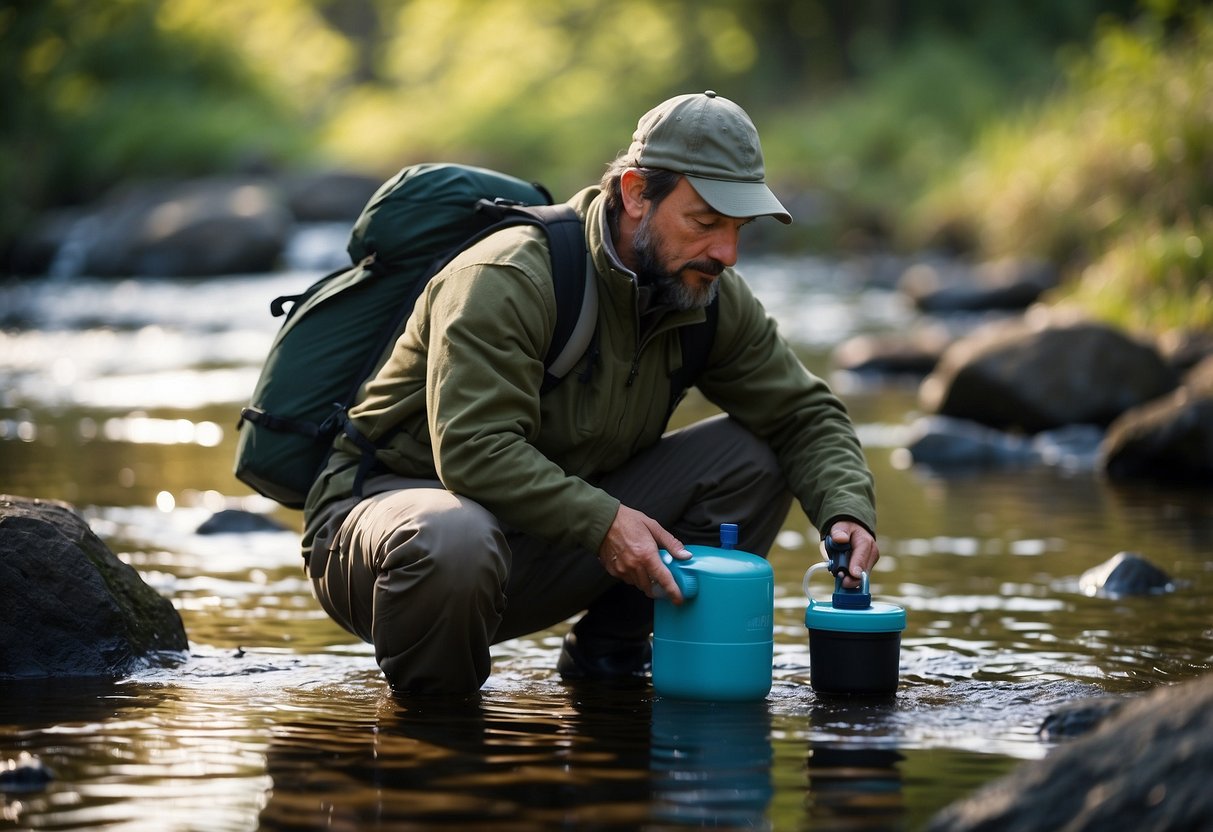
{"points": [[121, 397]]}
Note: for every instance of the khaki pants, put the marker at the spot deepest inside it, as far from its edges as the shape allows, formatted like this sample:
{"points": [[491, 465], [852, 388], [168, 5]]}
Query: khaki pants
{"points": [[432, 579]]}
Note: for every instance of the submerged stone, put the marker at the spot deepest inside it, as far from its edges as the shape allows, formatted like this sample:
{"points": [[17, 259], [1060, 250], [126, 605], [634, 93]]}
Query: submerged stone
{"points": [[235, 521], [24, 773], [1076, 718], [1128, 573]]}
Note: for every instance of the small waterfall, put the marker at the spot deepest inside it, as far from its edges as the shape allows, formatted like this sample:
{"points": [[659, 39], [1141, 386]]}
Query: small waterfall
{"points": [[73, 252]]}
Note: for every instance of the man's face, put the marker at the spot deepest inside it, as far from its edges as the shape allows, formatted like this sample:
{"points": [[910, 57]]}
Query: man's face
{"points": [[682, 245]]}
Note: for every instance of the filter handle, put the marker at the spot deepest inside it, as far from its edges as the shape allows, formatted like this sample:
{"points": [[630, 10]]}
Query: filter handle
{"points": [[838, 555]]}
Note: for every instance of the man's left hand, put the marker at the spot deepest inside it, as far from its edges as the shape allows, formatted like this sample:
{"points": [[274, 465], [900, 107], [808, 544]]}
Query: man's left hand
{"points": [[864, 551]]}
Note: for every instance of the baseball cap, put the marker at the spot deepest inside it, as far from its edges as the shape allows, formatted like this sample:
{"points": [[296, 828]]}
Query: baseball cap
{"points": [[714, 144]]}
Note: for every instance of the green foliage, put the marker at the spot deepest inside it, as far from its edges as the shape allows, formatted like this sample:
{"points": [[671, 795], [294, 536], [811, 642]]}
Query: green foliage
{"points": [[96, 93], [540, 87], [1151, 279], [876, 146], [101, 92], [868, 102], [1113, 171]]}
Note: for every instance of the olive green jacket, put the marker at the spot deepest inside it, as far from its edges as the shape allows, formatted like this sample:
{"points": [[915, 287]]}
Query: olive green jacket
{"points": [[458, 398]]}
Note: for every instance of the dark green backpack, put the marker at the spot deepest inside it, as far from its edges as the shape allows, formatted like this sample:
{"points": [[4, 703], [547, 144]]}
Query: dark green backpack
{"points": [[338, 331]]}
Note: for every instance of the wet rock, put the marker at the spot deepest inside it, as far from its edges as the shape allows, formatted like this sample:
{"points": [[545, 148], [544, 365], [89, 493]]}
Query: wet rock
{"points": [[1199, 380], [1077, 718], [24, 773], [1009, 284], [1038, 374], [945, 442], [202, 227], [914, 353], [1146, 769], [198, 228], [68, 606], [236, 521], [1170, 439], [1073, 447], [1126, 573], [877, 269]]}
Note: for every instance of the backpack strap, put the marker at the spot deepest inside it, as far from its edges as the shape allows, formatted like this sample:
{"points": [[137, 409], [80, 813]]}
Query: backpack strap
{"points": [[573, 280], [576, 291]]}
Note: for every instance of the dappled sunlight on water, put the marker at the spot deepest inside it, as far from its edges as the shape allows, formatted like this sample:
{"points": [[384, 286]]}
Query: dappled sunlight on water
{"points": [[122, 398]]}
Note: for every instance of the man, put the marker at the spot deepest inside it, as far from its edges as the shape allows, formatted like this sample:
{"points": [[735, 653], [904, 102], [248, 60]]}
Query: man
{"points": [[495, 512]]}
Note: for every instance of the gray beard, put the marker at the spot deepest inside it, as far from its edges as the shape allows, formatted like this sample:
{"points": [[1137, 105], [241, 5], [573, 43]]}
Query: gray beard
{"points": [[669, 287]]}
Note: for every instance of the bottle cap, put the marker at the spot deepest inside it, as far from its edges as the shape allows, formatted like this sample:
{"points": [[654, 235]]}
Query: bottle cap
{"points": [[728, 535]]}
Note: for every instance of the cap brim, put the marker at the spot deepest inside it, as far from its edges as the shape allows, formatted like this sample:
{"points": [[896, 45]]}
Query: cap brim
{"points": [[740, 199]]}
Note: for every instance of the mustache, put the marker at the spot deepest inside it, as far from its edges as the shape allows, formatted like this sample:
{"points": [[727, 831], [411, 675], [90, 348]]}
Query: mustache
{"points": [[710, 266]]}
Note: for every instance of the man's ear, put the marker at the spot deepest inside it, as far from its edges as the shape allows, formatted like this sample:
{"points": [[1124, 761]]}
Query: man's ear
{"points": [[631, 189]]}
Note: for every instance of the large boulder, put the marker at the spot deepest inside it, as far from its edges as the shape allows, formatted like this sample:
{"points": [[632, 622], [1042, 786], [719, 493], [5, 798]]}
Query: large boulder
{"points": [[195, 228], [1145, 769], [69, 606], [1170, 439], [1037, 374]]}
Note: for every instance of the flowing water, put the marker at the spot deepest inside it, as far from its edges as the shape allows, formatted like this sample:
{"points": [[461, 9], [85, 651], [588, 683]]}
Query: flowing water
{"points": [[121, 397]]}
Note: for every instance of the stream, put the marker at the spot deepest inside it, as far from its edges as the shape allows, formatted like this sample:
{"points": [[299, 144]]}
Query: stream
{"points": [[121, 397]]}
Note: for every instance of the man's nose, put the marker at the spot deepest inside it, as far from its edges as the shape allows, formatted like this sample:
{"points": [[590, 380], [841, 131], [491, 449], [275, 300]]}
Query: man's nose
{"points": [[724, 246]]}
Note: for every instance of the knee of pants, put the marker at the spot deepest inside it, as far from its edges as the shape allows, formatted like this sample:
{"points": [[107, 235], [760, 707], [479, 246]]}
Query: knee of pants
{"points": [[757, 456], [455, 546]]}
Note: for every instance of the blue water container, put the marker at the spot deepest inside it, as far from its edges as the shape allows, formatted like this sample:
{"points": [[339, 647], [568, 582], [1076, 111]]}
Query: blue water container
{"points": [[718, 645]]}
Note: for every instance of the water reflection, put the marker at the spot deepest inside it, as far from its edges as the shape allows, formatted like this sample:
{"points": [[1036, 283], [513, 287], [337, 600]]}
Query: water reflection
{"points": [[711, 763], [853, 787], [472, 763]]}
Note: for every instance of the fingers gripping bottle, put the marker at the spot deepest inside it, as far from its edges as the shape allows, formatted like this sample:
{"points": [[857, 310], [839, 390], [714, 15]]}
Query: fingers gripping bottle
{"points": [[718, 645]]}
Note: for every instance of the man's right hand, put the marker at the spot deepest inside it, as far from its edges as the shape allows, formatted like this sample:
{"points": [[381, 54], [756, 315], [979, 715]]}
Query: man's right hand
{"points": [[629, 553]]}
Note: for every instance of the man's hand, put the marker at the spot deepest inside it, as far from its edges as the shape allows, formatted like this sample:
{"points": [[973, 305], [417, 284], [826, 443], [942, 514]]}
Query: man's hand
{"points": [[629, 553], [864, 551]]}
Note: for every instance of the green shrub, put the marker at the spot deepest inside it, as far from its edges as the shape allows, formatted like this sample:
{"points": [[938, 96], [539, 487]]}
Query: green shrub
{"points": [[1110, 178], [100, 93], [1151, 279]]}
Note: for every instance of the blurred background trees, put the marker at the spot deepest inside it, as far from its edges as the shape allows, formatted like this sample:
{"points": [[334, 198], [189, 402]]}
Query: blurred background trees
{"points": [[1065, 130]]}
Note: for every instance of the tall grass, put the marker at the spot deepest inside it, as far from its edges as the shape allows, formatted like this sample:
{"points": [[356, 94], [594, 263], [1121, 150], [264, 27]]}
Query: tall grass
{"points": [[1112, 178]]}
